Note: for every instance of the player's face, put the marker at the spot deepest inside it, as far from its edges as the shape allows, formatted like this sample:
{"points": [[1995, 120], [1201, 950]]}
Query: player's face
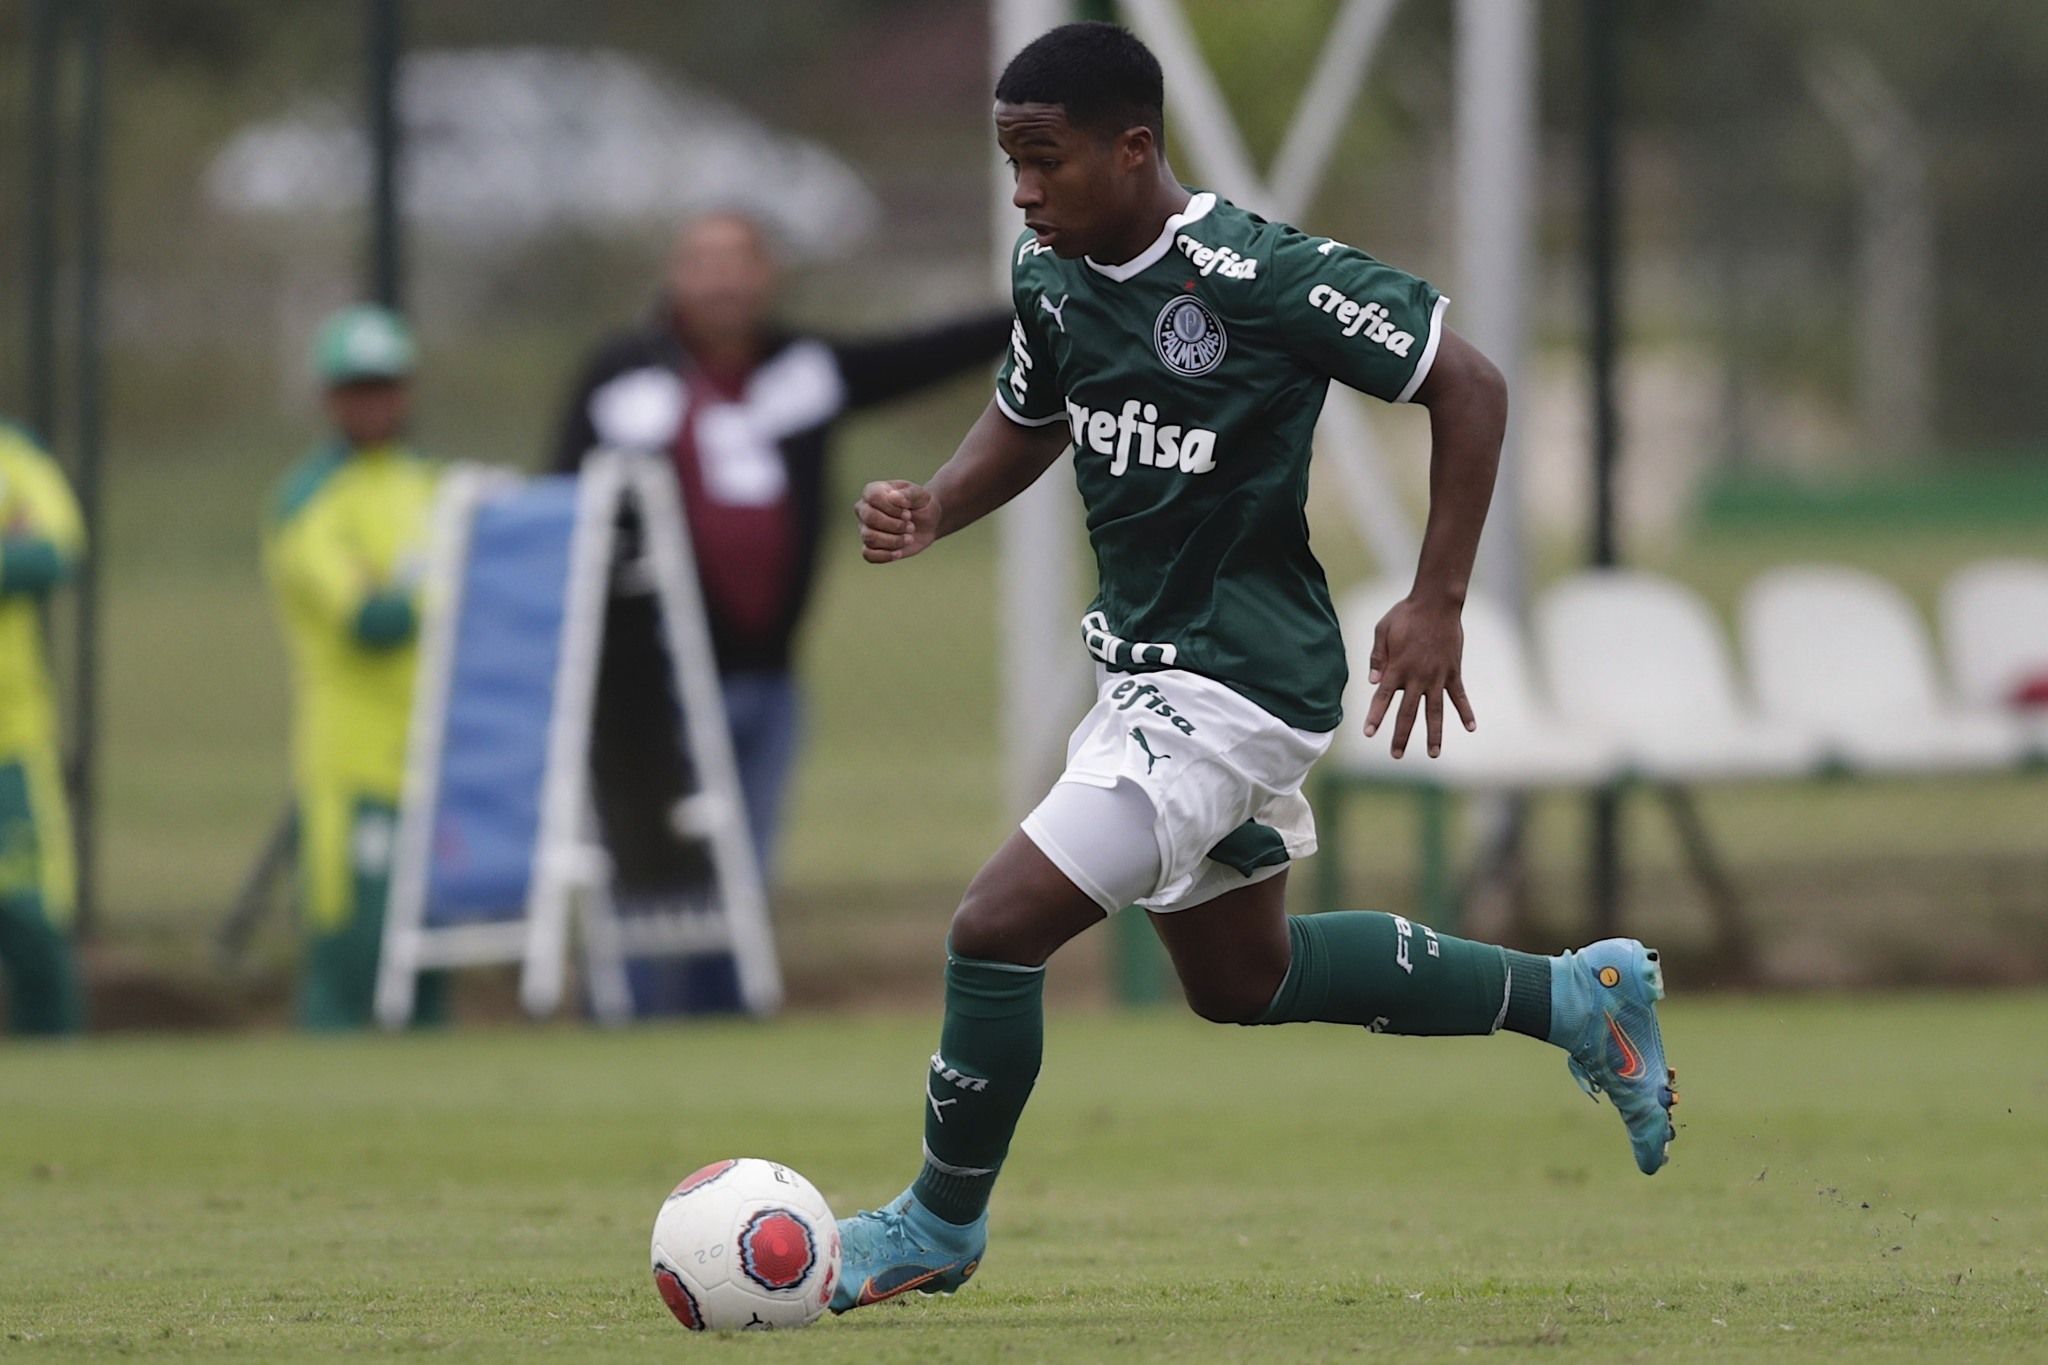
{"points": [[370, 412], [1077, 188], [721, 278]]}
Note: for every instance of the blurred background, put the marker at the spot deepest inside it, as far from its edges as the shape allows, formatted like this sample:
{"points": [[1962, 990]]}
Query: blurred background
{"points": [[1828, 271]]}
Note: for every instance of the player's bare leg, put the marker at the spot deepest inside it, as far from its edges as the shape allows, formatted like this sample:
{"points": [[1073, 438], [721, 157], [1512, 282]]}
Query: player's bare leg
{"points": [[1230, 953], [1019, 909]]}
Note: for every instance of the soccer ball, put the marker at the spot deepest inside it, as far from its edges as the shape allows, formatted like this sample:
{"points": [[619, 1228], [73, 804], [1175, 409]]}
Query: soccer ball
{"points": [[745, 1244]]}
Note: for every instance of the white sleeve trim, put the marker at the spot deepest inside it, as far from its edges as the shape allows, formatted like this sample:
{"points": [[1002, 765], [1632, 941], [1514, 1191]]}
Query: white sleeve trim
{"points": [[1436, 334], [1021, 420]]}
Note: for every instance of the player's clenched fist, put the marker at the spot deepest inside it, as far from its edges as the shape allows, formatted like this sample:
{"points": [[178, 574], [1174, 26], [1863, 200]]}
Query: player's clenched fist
{"points": [[897, 519]]}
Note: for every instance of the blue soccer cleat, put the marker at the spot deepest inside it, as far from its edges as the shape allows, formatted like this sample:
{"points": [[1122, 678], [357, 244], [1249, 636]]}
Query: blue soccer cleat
{"points": [[1603, 1006], [889, 1251]]}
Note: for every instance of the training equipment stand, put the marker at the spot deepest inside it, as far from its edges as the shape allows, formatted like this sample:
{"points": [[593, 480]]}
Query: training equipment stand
{"points": [[498, 855]]}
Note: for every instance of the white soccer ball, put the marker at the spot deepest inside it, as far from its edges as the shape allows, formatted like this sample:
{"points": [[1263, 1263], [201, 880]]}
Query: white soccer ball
{"points": [[745, 1244]]}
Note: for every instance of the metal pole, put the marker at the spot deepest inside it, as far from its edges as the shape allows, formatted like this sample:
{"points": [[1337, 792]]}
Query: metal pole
{"points": [[1038, 596], [1603, 71], [1496, 120], [1137, 962], [384, 41], [91, 224], [39, 209], [1496, 137]]}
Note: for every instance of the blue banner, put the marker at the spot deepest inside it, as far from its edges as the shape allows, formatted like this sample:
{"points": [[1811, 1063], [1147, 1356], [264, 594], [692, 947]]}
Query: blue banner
{"points": [[501, 693]]}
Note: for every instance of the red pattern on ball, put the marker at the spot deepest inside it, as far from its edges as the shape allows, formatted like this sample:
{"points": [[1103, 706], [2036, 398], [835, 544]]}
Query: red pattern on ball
{"points": [[702, 1176], [776, 1250], [678, 1299]]}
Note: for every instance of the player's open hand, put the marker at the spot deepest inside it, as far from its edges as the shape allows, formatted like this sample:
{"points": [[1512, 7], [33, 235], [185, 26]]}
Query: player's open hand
{"points": [[1418, 651], [897, 518]]}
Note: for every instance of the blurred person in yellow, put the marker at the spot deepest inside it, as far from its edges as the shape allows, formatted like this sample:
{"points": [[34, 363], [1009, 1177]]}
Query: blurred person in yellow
{"points": [[42, 540], [343, 549]]}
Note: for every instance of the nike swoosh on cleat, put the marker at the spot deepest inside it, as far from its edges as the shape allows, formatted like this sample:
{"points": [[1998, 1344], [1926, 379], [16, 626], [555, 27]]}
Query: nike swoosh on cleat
{"points": [[871, 1295], [1631, 1057]]}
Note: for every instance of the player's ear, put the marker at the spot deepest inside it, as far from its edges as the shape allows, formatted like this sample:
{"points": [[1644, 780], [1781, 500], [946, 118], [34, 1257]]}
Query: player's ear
{"points": [[1134, 147]]}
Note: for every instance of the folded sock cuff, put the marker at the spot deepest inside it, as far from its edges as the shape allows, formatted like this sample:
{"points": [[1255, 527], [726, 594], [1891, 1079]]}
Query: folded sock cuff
{"points": [[1528, 994]]}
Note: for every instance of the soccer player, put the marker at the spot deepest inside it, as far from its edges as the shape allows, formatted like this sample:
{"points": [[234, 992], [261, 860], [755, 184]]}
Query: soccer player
{"points": [[41, 542], [343, 547], [1183, 347]]}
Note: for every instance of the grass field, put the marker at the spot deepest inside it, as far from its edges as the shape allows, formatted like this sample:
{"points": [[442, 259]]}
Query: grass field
{"points": [[1855, 1179]]}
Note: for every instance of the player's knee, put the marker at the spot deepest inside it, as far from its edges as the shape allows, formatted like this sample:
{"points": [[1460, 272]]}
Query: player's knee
{"points": [[1235, 1001], [991, 927]]}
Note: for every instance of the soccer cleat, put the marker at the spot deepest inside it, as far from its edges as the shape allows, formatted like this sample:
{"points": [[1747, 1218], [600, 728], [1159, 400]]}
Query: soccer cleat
{"points": [[1604, 997], [905, 1246]]}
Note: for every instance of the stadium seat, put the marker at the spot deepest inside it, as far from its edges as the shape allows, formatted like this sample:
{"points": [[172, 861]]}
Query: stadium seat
{"points": [[1643, 656], [1520, 743], [1844, 653], [1994, 626]]}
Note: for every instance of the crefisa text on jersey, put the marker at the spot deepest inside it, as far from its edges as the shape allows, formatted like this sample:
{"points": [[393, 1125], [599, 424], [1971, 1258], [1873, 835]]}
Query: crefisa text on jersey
{"points": [[1135, 431], [1355, 317], [1217, 260]]}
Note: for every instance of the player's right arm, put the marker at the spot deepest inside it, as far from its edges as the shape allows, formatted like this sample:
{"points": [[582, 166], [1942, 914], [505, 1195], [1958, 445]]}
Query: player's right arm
{"points": [[997, 459]]}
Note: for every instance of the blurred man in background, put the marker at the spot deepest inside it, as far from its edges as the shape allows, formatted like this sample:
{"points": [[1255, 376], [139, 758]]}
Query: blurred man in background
{"points": [[343, 550], [744, 410], [41, 542]]}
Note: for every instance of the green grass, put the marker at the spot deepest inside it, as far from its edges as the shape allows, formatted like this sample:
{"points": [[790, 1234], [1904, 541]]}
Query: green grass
{"points": [[1855, 1179]]}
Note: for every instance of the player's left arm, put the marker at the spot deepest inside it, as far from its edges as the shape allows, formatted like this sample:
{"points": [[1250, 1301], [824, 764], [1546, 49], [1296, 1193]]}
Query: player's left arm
{"points": [[1418, 647], [1381, 331]]}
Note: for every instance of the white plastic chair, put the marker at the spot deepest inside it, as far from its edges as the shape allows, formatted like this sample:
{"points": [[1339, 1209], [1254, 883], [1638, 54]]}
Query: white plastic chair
{"points": [[1994, 628], [1644, 655], [1844, 653], [1521, 743]]}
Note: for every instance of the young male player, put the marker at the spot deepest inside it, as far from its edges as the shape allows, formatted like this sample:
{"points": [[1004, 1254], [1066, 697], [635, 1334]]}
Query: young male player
{"points": [[1183, 347]]}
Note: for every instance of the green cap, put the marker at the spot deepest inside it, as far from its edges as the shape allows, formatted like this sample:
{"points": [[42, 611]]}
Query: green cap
{"points": [[364, 342]]}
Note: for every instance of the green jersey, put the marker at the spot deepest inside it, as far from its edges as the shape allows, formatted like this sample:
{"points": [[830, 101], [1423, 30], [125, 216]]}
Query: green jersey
{"points": [[1191, 377]]}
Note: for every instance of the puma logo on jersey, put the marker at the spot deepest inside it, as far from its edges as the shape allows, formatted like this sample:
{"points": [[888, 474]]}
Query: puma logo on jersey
{"points": [[1056, 309], [1134, 432], [1354, 317], [1218, 260]]}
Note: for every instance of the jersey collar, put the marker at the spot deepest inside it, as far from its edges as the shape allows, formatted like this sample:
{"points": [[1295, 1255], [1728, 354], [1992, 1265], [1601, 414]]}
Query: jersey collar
{"points": [[1198, 207]]}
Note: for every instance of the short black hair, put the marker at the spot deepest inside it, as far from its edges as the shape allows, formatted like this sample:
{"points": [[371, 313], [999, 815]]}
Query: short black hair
{"points": [[1100, 74]]}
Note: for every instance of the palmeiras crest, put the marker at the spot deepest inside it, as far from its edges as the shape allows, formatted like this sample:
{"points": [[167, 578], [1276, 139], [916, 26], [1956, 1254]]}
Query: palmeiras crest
{"points": [[1188, 337]]}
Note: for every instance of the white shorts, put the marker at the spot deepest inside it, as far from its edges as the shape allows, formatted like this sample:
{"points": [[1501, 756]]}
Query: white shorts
{"points": [[1223, 778]]}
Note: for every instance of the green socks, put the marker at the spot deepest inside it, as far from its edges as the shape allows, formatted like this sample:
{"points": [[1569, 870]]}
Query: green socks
{"points": [[1395, 976], [1353, 967], [980, 1078]]}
